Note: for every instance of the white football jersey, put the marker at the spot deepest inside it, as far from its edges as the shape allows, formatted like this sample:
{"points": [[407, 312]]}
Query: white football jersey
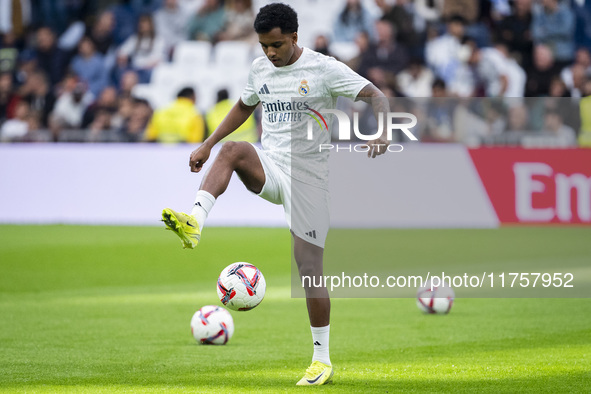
{"points": [[293, 95]]}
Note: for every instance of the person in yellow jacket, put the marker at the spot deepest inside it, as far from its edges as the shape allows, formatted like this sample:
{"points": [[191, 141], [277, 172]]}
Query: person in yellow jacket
{"points": [[179, 122], [246, 132], [585, 112]]}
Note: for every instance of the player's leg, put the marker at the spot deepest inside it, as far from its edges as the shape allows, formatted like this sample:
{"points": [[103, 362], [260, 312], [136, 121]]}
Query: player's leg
{"points": [[309, 261], [239, 157]]}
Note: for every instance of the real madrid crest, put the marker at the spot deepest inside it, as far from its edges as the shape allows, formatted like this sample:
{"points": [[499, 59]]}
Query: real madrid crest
{"points": [[304, 89]]}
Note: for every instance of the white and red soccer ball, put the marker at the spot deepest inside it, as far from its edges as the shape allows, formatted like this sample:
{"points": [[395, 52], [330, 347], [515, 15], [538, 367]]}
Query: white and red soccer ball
{"points": [[212, 325], [435, 299], [241, 286]]}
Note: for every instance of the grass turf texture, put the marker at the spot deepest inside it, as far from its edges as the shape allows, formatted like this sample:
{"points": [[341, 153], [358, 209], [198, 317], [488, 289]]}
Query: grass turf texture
{"points": [[107, 309]]}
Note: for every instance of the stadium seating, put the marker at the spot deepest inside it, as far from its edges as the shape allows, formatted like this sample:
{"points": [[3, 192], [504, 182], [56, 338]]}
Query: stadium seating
{"points": [[232, 54], [192, 54]]}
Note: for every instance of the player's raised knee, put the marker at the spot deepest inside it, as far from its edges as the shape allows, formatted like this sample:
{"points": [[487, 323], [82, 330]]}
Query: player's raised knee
{"points": [[230, 151], [234, 150]]}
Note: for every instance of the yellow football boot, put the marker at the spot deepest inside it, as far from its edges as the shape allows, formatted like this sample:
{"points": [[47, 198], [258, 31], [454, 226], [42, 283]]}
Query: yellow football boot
{"points": [[183, 225], [316, 374]]}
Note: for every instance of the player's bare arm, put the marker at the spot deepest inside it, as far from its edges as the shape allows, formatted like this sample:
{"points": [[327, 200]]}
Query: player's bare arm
{"points": [[380, 105], [237, 115]]}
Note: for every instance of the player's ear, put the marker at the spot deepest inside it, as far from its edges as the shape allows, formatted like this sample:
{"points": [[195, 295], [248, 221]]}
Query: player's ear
{"points": [[294, 38]]}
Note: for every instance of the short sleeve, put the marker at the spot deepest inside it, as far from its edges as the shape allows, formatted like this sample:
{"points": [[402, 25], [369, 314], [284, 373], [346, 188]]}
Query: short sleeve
{"points": [[249, 95], [342, 81]]}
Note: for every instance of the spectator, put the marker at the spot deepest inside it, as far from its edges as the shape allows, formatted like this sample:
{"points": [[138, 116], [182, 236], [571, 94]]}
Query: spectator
{"points": [[179, 122], [582, 12], [101, 32], [495, 117], [17, 18], [50, 59], [583, 57], [542, 72], [562, 136], [553, 26], [60, 14], [585, 112], [106, 102], [515, 32], [120, 118], [25, 66], [208, 22], [69, 109], [247, 132], [558, 88], [438, 89], [448, 57], [559, 100], [36, 92], [351, 21], [171, 24], [321, 45], [142, 51], [16, 129], [574, 79], [89, 66], [439, 114], [385, 57], [8, 97], [416, 80], [239, 22], [34, 127], [429, 10], [476, 14], [100, 125], [574, 76], [362, 42], [482, 121], [126, 20], [140, 115], [127, 81], [442, 53], [518, 118], [402, 15], [8, 52], [499, 74]]}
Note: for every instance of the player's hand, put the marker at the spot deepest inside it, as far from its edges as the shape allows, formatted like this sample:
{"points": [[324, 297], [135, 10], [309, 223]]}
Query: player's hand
{"points": [[377, 147], [198, 157]]}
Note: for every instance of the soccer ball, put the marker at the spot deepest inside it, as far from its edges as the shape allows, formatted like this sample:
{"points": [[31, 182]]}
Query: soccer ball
{"points": [[438, 300], [241, 286], [212, 325]]}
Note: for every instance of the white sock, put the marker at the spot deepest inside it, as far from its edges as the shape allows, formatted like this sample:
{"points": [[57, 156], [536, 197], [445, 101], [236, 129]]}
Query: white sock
{"points": [[203, 204], [320, 338]]}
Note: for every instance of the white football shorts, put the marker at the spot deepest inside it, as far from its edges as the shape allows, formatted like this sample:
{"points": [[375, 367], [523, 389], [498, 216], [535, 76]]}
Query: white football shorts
{"points": [[306, 206]]}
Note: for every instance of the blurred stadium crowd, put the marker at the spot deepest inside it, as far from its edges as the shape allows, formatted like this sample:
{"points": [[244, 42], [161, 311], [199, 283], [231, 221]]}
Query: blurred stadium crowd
{"points": [[477, 71]]}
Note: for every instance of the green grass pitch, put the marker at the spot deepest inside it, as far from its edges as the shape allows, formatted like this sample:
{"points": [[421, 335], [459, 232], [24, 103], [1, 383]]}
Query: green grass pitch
{"points": [[107, 309]]}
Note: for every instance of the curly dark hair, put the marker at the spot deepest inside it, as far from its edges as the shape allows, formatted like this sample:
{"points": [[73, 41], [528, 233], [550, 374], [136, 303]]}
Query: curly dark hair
{"points": [[276, 15]]}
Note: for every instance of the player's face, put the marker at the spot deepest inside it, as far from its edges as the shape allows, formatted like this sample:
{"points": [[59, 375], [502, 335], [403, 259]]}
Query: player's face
{"points": [[278, 47]]}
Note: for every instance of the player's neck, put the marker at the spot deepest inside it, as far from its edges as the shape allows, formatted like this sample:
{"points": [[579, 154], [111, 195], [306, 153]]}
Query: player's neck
{"points": [[296, 55]]}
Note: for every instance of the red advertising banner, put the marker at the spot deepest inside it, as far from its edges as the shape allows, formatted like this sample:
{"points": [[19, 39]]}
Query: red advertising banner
{"points": [[537, 185]]}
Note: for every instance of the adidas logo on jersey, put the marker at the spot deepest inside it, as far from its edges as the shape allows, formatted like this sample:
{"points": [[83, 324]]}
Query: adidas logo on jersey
{"points": [[264, 90], [312, 234]]}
